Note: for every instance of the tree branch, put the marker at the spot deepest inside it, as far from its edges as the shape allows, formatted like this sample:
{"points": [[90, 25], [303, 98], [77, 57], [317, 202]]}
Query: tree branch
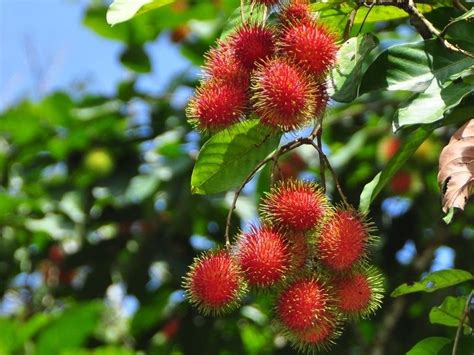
{"points": [[309, 140], [421, 23], [467, 309]]}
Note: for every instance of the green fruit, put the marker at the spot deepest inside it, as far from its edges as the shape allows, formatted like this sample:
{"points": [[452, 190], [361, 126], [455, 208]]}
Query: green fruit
{"points": [[99, 161]]}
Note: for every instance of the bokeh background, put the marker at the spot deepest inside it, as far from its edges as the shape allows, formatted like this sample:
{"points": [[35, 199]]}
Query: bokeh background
{"points": [[97, 222]]}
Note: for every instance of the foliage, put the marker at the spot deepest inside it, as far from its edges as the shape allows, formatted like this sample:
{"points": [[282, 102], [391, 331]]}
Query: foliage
{"points": [[98, 221]]}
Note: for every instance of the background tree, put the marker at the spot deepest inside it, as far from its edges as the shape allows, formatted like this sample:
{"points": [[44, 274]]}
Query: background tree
{"points": [[99, 223]]}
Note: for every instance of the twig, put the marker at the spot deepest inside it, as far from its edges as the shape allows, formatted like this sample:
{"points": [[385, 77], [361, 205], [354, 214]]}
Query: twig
{"points": [[365, 18], [274, 156], [322, 164], [467, 309], [349, 24], [422, 24], [333, 173], [459, 5]]}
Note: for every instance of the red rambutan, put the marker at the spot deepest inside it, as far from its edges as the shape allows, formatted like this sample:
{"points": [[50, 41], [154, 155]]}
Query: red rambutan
{"points": [[252, 44], [283, 95], [298, 250], [302, 305], [221, 64], [295, 11], [343, 240], [217, 105], [295, 205], [321, 99], [360, 293], [214, 283], [319, 337], [311, 46], [262, 254]]}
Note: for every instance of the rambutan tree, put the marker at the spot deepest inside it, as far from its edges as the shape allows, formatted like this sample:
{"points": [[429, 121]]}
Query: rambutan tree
{"points": [[310, 194]]}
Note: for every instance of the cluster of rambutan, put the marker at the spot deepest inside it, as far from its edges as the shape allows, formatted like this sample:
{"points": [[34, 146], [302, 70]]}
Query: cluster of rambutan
{"points": [[308, 254], [274, 72]]}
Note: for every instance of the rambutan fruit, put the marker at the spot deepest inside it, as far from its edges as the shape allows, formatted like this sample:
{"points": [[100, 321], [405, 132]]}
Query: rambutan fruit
{"points": [[310, 45], [295, 205], [283, 95], [360, 293], [319, 337], [302, 305], [262, 254], [252, 43], [295, 11], [321, 99], [217, 105], [221, 64], [343, 240], [215, 283], [298, 250]]}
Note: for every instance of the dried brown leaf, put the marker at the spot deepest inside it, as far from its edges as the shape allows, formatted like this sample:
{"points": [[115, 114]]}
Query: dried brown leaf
{"points": [[456, 168]]}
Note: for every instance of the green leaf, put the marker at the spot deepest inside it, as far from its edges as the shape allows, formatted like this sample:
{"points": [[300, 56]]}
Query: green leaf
{"points": [[70, 330], [429, 346], [413, 67], [351, 57], [468, 15], [135, 58], [227, 158], [449, 313], [430, 106], [123, 10], [435, 281], [406, 150], [252, 13]]}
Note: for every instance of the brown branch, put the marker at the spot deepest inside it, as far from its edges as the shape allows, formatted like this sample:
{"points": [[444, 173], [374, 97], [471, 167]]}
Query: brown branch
{"points": [[422, 24], [459, 5], [274, 156], [333, 173], [349, 24], [322, 165], [467, 309]]}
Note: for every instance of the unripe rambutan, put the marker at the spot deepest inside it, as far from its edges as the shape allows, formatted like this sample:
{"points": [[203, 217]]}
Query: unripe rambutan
{"points": [[283, 94], [360, 293], [252, 43], [302, 305], [295, 205], [217, 105], [295, 11], [343, 240], [214, 284], [311, 46], [221, 64], [262, 254]]}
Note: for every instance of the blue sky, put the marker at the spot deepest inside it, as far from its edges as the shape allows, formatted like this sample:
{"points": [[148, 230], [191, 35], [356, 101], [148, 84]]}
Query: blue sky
{"points": [[45, 47]]}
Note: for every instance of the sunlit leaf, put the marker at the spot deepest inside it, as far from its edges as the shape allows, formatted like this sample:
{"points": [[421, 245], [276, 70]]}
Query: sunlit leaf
{"points": [[429, 346], [228, 157], [434, 281], [124, 10]]}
